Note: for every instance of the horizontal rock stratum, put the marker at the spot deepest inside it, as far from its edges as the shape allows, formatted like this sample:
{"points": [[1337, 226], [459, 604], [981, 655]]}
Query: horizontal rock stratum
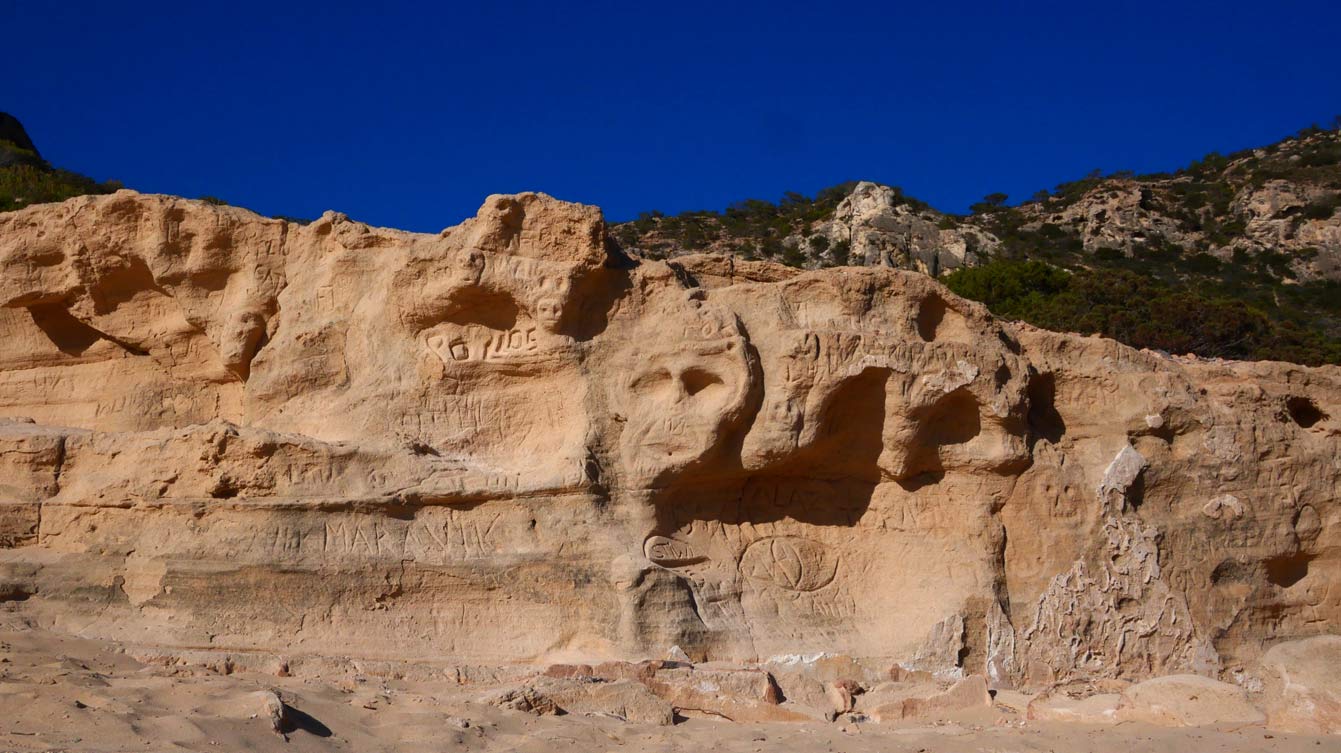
{"points": [[511, 443]]}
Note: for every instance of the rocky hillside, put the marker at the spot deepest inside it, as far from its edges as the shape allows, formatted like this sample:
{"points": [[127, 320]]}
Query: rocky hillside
{"points": [[1273, 209], [1249, 243], [851, 224], [26, 178]]}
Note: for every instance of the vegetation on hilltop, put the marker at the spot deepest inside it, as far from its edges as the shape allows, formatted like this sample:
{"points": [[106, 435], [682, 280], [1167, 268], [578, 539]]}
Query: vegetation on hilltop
{"points": [[1142, 311], [26, 178], [21, 185], [752, 229], [1178, 292], [1186, 282]]}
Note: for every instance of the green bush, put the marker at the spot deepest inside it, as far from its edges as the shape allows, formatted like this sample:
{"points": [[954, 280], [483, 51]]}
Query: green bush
{"points": [[22, 185], [1139, 310], [840, 252]]}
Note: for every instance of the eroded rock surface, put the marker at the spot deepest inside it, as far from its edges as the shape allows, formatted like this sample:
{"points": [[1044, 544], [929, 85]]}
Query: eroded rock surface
{"points": [[510, 443]]}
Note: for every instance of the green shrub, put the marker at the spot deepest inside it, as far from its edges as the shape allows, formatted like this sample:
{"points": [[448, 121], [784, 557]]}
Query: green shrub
{"points": [[1139, 310], [840, 252], [22, 185]]}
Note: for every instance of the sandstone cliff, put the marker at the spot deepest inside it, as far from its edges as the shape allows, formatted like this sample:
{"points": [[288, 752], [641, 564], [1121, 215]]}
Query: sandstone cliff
{"points": [[509, 442]]}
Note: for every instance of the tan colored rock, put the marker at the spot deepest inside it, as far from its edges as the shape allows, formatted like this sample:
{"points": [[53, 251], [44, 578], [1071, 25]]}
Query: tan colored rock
{"points": [[738, 695], [272, 709], [623, 670], [507, 445], [1100, 708], [1303, 687], [528, 700], [927, 700], [840, 695], [807, 681], [1188, 701], [629, 700], [567, 671]]}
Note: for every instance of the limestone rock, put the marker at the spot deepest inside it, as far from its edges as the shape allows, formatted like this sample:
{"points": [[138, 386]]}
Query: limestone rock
{"points": [[881, 228]]}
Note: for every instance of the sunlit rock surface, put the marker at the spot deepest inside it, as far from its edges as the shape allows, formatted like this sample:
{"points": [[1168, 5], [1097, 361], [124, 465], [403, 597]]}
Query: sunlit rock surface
{"points": [[510, 443]]}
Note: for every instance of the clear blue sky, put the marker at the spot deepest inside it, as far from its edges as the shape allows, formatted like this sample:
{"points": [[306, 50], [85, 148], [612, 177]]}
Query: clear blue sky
{"points": [[409, 114]]}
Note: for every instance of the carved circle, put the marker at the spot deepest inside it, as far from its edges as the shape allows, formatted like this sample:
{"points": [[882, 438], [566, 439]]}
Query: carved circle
{"points": [[789, 562]]}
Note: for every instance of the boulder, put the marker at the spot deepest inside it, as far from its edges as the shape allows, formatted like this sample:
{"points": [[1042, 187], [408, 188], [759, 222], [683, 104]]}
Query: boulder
{"points": [[1302, 682], [897, 702], [628, 700], [1100, 708], [526, 699], [736, 694], [570, 671], [273, 710], [1187, 701]]}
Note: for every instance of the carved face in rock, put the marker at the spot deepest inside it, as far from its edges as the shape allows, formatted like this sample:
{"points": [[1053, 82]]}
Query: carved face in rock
{"points": [[547, 312], [679, 400], [544, 292], [468, 268]]}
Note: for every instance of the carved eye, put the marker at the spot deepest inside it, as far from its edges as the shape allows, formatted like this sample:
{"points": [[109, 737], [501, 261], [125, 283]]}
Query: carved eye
{"points": [[650, 382], [697, 380]]}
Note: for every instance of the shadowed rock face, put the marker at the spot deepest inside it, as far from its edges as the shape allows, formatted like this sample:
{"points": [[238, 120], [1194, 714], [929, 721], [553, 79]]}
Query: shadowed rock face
{"points": [[506, 443], [15, 146]]}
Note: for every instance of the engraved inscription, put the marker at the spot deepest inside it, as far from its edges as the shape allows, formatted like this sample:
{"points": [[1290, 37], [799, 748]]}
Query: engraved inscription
{"points": [[482, 344], [452, 536], [671, 553]]}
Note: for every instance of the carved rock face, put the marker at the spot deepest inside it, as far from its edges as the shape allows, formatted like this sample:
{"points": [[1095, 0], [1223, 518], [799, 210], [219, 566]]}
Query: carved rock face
{"points": [[679, 402], [499, 444]]}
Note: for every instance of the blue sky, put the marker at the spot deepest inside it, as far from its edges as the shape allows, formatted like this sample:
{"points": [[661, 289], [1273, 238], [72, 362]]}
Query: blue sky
{"points": [[408, 116]]}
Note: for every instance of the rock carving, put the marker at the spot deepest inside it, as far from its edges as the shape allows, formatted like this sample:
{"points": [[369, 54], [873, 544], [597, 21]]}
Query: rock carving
{"points": [[509, 441]]}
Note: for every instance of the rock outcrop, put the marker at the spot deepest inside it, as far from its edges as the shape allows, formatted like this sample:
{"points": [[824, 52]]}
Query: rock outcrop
{"points": [[879, 227], [1270, 212], [510, 443]]}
